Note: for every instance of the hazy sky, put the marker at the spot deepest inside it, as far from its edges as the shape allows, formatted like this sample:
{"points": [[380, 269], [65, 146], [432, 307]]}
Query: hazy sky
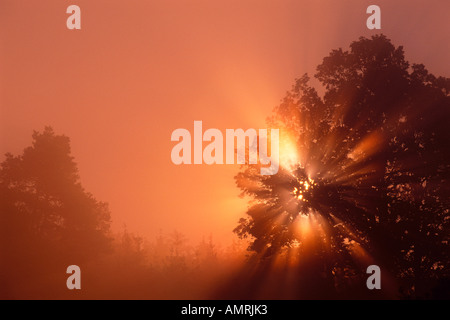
{"points": [[137, 70]]}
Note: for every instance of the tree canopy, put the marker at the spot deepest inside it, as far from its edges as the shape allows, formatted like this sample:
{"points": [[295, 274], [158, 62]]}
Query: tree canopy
{"points": [[370, 174], [48, 221]]}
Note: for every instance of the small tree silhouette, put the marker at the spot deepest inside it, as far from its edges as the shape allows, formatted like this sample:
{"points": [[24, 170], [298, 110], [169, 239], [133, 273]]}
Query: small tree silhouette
{"points": [[48, 221]]}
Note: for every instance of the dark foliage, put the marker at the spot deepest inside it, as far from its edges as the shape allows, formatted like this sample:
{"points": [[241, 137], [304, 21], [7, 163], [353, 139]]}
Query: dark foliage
{"points": [[374, 151]]}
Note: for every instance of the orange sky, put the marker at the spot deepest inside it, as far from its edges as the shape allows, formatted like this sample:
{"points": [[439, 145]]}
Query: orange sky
{"points": [[138, 69]]}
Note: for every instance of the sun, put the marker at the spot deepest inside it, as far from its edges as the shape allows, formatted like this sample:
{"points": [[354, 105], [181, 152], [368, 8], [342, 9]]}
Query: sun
{"points": [[289, 154], [303, 190]]}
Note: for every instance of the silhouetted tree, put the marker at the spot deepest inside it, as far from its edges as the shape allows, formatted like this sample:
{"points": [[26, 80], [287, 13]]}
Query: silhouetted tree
{"points": [[130, 249], [372, 169], [206, 253], [178, 251], [48, 221]]}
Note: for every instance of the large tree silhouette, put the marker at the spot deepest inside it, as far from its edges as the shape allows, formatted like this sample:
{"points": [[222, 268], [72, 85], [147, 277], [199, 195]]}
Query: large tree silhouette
{"points": [[370, 176], [48, 221]]}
